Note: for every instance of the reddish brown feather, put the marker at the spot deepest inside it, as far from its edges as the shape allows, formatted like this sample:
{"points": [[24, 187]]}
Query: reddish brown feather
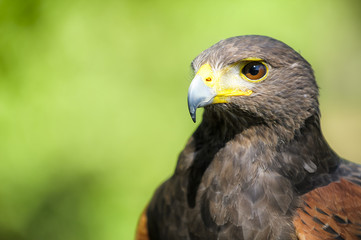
{"points": [[142, 228], [330, 212]]}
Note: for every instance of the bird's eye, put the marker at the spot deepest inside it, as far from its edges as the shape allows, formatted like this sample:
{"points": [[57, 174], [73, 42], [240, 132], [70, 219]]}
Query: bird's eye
{"points": [[254, 71]]}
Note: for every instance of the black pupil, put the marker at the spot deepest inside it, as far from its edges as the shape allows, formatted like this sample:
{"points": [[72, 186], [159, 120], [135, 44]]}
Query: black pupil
{"points": [[254, 70]]}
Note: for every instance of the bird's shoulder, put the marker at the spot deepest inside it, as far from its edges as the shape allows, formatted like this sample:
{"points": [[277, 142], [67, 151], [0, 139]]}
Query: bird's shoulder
{"points": [[349, 170], [332, 211], [142, 227]]}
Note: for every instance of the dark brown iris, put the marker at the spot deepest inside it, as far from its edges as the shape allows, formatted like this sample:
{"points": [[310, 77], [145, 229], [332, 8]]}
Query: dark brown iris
{"points": [[254, 70]]}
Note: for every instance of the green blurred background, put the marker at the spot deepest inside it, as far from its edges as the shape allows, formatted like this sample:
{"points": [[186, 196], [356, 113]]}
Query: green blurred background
{"points": [[93, 108]]}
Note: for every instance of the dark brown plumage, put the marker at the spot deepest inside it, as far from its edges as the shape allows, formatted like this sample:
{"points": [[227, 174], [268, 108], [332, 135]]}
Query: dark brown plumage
{"points": [[257, 156]]}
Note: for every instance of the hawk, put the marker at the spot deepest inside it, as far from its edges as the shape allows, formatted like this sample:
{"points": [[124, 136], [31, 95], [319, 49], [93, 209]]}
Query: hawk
{"points": [[258, 165]]}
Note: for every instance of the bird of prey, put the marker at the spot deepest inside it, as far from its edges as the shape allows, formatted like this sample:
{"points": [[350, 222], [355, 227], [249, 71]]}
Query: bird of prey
{"points": [[258, 166]]}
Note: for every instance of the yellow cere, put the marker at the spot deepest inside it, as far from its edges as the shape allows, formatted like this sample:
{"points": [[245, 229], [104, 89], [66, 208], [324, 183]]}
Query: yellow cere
{"points": [[206, 72], [213, 80], [225, 94]]}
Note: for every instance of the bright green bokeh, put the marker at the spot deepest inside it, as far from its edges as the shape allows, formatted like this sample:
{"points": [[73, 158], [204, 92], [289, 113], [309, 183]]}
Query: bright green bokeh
{"points": [[93, 106]]}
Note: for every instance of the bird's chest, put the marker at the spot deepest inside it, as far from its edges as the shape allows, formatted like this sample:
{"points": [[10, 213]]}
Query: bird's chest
{"points": [[241, 200]]}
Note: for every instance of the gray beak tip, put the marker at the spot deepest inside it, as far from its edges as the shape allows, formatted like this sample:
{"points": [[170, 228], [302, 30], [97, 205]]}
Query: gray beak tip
{"points": [[192, 111], [199, 95], [194, 118]]}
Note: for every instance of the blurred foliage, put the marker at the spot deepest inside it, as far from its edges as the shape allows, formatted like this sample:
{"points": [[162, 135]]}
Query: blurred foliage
{"points": [[93, 99]]}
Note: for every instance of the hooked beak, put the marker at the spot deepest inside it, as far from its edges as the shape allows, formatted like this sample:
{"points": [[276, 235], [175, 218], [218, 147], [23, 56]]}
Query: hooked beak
{"points": [[199, 95], [210, 87]]}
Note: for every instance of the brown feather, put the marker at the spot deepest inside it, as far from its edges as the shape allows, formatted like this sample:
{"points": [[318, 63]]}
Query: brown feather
{"points": [[246, 168], [142, 228], [330, 212]]}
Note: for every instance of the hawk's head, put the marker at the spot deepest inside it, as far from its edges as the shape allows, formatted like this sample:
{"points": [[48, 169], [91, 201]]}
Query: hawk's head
{"points": [[254, 75]]}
